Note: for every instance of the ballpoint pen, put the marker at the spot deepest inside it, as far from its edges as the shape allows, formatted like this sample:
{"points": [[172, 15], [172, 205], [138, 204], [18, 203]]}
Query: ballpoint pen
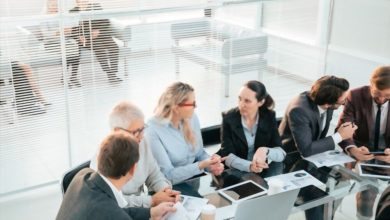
{"points": [[353, 185]]}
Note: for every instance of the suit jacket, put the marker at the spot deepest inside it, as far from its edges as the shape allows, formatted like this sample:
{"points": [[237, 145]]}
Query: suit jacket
{"points": [[383, 208], [300, 127], [358, 108], [90, 197], [233, 137]]}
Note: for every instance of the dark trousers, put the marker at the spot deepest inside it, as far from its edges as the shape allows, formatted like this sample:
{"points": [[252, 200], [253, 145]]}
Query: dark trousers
{"points": [[73, 63], [107, 54]]}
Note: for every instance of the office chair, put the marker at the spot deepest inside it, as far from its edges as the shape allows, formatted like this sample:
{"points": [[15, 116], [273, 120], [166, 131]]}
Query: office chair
{"points": [[68, 176]]}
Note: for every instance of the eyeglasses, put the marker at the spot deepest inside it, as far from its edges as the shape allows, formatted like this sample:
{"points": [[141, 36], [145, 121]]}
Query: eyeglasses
{"points": [[188, 104], [135, 132]]}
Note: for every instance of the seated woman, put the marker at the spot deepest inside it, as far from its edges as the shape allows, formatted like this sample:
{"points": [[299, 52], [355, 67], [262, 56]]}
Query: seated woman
{"points": [[175, 138], [250, 132]]}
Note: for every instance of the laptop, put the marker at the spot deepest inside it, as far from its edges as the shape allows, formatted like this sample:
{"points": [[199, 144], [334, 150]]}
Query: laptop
{"points": [[275, 207]]}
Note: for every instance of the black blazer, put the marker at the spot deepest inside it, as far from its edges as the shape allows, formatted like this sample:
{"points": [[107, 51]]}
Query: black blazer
{"points": [[233, 137], [90, 197], [300, 128]]}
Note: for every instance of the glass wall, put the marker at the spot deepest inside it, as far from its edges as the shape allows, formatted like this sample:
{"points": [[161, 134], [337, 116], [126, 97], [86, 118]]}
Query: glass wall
{"points": [[65, 63]]}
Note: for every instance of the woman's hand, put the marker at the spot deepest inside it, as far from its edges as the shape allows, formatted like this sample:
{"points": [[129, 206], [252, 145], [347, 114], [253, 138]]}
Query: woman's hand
{"points": [[213, 163], [259, 161]]}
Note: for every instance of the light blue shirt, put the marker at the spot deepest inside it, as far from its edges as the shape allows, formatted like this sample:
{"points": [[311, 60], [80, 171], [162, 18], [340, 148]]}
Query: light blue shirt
{"points": [[177, 159], [250, 135]]}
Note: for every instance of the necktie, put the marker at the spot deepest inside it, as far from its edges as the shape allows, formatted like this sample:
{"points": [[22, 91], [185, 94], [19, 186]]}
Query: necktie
{"points": [[377, 126], [322, 120]]}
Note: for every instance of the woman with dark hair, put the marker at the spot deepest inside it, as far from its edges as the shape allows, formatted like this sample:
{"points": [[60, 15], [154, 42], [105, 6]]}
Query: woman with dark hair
{"points": [[249, 132]]}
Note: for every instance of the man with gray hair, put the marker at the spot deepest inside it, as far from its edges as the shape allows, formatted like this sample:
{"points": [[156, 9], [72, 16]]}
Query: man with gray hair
{"points": [[129, 118]]}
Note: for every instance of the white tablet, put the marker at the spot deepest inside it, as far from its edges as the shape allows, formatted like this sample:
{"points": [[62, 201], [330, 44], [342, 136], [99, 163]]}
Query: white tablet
{"points": [[242, 191], [374, 170]]}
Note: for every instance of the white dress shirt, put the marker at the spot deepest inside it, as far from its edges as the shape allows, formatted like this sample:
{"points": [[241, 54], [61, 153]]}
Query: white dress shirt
{"points": [[117, 193]]}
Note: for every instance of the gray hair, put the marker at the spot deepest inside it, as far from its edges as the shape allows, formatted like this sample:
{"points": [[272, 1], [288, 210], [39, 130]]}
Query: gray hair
{"points": [[124, 114]]}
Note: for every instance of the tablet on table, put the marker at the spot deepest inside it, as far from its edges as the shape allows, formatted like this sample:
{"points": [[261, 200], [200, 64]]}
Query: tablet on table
{"points": [[242, 191]]}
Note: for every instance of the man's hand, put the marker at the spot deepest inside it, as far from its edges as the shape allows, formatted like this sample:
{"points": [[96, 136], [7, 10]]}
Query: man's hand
{"points": [[346, 130], [158, 212], [361, 153], [166, 195], [384, 158]]}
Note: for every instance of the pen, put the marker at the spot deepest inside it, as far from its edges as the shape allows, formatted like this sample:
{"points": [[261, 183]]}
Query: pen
{"points": [[350, 189]]}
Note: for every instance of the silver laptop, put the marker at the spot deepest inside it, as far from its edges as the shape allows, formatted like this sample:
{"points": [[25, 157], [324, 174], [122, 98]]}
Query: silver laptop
{"points": [[269, 207]]}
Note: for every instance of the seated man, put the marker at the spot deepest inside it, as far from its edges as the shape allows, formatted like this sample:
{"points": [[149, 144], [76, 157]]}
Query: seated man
{"points": [[97, 195], [368, 108], [307, 118], [128, 117], [306, 123]]}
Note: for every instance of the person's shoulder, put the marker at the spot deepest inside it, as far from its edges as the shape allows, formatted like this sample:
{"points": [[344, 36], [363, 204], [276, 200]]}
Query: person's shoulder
{"points": [[360, 90], [269, 113], [231, 113]]}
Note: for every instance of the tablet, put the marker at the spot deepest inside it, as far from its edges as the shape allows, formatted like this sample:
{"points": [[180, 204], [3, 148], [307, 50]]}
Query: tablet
{"points": [[378, 153], [374, 170], [242, 191]]}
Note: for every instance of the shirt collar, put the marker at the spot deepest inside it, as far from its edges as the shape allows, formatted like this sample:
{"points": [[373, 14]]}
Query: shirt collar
{"points": [[321, 110], [244, 124], [384, 105], [117, 193]]}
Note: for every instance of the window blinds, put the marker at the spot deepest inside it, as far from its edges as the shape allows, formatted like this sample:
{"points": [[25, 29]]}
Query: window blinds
{"points": [[64, 65]]}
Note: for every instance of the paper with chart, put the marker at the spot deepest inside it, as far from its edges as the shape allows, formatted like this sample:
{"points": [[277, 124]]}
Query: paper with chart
{"points": [[296, 180], [329, 158], [188, 208]]}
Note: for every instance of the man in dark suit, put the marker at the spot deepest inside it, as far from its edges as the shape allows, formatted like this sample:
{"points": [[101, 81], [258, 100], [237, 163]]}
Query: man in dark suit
{"points": [[306, 123], [368, 108], [97, 195], [97, 35]]}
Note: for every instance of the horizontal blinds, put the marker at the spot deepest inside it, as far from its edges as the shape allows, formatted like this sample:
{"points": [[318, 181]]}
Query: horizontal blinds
{"points": [[82, 61]]}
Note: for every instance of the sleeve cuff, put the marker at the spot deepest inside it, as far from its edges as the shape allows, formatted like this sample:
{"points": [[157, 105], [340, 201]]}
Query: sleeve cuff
{"points": [[348, 147], [238, 163], [276, 154], [337, 138]]}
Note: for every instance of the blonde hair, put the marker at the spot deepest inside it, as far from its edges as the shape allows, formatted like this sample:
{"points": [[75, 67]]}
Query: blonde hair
{"points": [[172, 96]]}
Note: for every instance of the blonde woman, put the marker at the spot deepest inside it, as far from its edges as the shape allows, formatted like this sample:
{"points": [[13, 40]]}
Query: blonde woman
{"points": [[175, 138]]}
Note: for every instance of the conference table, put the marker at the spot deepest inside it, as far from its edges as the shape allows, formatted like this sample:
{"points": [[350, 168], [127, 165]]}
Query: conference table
{"points": [[338, 181]]}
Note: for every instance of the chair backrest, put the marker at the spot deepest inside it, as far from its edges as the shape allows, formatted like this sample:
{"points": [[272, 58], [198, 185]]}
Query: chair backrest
{"points": [[68, 176], [252, 45], [211, 135], [190, 29]]}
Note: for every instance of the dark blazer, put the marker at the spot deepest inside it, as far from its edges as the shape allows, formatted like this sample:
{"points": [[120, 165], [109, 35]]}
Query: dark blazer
{"points": [[358, 108], [233, 137], [300, 127], [383, 208], [90, 197]]}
